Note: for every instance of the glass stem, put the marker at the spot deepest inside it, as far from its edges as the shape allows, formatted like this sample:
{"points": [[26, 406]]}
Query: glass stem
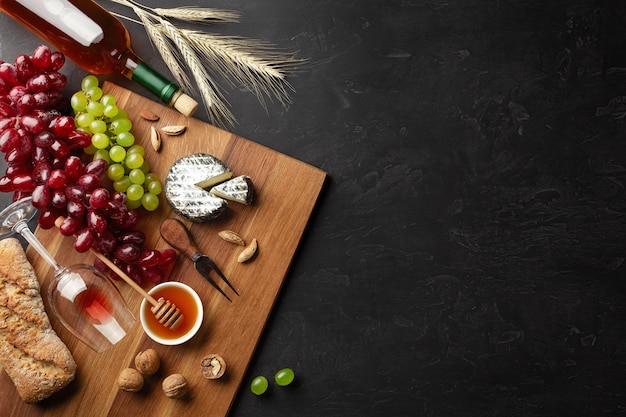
{"points": [[24, 231]]}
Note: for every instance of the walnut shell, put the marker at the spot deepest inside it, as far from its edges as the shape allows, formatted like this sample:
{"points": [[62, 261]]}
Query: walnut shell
{"points": [[130, 380], [175, 386], [147, 362], [213, 366]]}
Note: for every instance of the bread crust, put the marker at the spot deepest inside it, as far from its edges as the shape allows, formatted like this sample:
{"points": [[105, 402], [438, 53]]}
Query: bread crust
{"points": [[31, 353]]}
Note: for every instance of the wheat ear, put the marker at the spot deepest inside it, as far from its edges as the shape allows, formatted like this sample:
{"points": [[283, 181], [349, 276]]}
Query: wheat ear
{"points": [[198, 14], [215, 103], [250, 63], [163, 45]]}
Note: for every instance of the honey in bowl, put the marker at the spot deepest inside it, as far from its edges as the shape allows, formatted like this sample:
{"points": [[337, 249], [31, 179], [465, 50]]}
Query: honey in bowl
{"points": [[190, 305]]}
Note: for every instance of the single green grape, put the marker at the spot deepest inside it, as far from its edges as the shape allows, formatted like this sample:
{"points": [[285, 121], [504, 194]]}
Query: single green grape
{"points": [[125, 139], [108, 100], [137, 176], [95, 108], [90, 150], [78, 101], [134, 192], [284, 377], [110, 111], [118, 126], [94, 93], [134, 160], [154, 186], [150, 201], [137, 149], [117, 153], [121, 114], [98, 126], [83, 119], [151, 176], [100, 141], [259, 385], [102, 154], [122, 184], [88, 82], [116, 172], [133, 204]]}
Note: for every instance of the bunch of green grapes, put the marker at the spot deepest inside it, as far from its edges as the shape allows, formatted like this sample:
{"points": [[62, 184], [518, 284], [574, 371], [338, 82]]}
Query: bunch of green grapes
{"points": [[112, 140]]}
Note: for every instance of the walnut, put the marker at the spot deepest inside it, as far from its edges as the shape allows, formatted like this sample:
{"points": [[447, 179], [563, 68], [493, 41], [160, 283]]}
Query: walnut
{"points": [[175, 386], [213, 366], [147, 362], [130, 380]]}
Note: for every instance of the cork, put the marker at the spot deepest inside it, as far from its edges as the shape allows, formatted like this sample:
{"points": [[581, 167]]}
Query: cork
{"points": [[185, 104]]}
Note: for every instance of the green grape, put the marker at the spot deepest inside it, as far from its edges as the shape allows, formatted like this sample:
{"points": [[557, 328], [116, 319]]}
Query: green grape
{"points": [[95, 108], [133, 204], [145, 167], [88, 82], [121, 114], [108, 100], [98, 126], [117, 153], [78, 101], [90, 150], [134, 160], [154, 186], [115, 172], [136, 176], [284, 377], [83, 119], [134, 192], [94, 93], [100, 141], [102, 154], [122, 184], [137, 149], [151, 176], [259, 385], [110, 111], [125, 139], [118, 126], [150, 201]]}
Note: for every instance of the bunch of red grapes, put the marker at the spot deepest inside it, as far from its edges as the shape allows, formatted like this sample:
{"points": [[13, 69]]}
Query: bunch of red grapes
{"points": [[43, 150]]}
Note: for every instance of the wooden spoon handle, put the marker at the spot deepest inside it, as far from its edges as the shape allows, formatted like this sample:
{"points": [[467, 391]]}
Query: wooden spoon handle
{"points": [[174, 232]]}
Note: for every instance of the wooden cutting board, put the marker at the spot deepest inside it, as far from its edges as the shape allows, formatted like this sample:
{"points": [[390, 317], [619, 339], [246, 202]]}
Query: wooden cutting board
{"points": [[287, 191]]}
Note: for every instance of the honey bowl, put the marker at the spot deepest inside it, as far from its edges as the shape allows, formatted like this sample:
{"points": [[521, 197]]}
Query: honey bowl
{"points": [[190, 305]]}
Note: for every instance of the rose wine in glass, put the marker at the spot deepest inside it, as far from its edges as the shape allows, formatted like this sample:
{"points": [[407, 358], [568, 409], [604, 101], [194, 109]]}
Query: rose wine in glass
{"points": [[84, 300]]}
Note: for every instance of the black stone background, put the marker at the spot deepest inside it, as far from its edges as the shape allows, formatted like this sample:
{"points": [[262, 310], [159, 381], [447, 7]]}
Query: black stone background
{"points": [[467, 255]]}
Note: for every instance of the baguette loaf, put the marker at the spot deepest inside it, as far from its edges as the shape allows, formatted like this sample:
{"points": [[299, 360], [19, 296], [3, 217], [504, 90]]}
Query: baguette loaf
{"points": [[31, 353]]}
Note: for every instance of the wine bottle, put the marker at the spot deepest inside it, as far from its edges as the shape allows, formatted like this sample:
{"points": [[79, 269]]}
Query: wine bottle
{"points": [[96, 41]]}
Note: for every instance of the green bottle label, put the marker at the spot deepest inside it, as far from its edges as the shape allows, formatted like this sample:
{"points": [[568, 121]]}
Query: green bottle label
{"points": [[155, 82]]}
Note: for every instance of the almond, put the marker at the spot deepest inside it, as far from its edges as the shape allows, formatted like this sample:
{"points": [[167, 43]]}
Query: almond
{"points": [[148, 115], [248, 252], [155, 139], [232, 237], [174, 130]]}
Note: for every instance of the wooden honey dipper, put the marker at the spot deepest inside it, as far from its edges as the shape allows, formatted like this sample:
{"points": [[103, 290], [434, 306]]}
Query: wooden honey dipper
{"points": [[164, 310]]}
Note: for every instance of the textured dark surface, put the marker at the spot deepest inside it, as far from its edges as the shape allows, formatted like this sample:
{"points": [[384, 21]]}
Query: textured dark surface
{"points": [[466, 258]]}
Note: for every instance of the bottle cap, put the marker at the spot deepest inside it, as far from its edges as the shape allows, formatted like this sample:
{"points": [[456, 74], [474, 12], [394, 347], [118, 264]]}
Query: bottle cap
{"points": [[185, 104]]}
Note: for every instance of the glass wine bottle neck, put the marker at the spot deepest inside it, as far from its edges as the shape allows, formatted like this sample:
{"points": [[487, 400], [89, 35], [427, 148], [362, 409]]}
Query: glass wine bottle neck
{"points": [[143, 74]]}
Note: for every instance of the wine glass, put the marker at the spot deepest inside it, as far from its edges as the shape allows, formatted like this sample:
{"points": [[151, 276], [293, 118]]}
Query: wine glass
{"points": [[86, 301]]}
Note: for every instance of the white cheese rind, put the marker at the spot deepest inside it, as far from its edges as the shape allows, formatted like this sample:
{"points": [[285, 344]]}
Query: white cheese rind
{"points": [[187, 199]]}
